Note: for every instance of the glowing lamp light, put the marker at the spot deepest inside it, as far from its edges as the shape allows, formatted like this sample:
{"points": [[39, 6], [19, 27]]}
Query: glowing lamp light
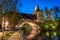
{"points": [[47, 33]]}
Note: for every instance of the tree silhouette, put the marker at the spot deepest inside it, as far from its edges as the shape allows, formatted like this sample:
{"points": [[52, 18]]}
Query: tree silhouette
{"points": [[56, 10], [10, 5], [47, 12]]}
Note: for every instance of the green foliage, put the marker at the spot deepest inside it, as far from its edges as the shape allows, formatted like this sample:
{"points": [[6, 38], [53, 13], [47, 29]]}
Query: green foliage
{"points": [[7, 33], [58, 26], [53, 27], [13, 18], [11, 32], [26, 29], [48, 14], [49, 27], [56, 10], [5, 37], [46, 26], [40, 25]]}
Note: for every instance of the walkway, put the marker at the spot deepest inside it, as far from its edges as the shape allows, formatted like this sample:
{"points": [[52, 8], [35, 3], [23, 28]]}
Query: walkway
{"points": [[18, 36], [15, 36], [1, 34], [34, 27]]}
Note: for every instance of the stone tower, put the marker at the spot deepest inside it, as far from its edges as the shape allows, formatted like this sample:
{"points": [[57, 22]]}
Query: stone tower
{"points": [[38, 14]]}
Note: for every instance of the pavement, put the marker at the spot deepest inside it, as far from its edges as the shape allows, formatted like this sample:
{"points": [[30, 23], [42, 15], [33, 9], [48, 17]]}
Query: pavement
{"points": [[18, 36], [1, 34], [15, 36]]}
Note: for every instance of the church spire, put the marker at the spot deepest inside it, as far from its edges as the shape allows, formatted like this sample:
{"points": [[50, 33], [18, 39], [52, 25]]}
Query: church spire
{"points": [[37, 8]]}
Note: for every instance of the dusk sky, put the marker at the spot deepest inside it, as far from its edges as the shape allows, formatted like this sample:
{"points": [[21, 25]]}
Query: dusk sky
{"points": [[29, 5]]}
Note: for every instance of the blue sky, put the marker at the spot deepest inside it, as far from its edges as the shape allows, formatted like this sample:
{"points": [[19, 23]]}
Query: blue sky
{"points": [[29, 5]]}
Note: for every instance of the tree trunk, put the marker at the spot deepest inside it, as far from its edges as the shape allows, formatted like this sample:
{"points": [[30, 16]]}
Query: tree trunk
{"points": [[9, 28]]}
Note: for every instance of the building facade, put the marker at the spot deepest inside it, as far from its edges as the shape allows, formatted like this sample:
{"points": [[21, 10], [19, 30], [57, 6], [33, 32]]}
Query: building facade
{"points": [[36, 16]]}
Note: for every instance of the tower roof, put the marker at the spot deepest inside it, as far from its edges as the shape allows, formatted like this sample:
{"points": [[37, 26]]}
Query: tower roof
{"points": [[37, 8]]}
